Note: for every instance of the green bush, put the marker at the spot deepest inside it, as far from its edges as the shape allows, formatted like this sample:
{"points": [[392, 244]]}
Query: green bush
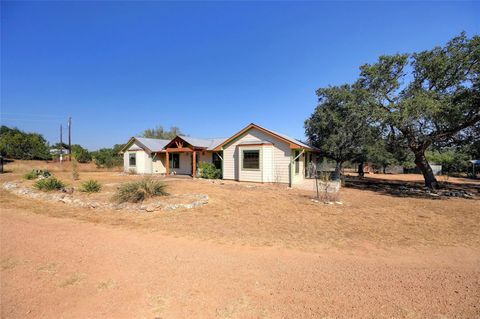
{"points": [[138, 191], [82, 155], [36, 173], [49, 184], [91, 186], [208, 170], [107, 157]]}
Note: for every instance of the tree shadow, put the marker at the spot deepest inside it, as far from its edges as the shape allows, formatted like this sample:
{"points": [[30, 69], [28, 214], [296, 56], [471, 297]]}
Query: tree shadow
{"points": [[416, 189]]}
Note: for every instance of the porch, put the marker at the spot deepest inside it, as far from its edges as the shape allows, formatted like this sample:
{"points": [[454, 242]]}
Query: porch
{"points": [[182, 157]]}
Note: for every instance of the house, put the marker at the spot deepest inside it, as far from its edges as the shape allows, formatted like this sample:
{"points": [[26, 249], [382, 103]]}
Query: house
{"points": [[254, 154]]}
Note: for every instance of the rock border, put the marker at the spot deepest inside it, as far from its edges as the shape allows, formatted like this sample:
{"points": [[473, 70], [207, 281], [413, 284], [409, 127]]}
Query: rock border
{"points": [[67, 198]]}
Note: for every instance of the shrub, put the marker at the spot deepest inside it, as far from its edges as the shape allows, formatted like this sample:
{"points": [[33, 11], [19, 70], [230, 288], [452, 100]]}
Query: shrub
{"points": [[138, 191], [107, 157], [82, 155], [208, 170], [49, 184], [75, 174], [90, 186], [36, 173]]}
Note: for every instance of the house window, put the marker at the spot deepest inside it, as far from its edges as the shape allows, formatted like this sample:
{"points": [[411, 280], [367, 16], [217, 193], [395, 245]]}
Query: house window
{"points": [[251, 159], [297, 162], [174, 160], [132, 159], [216, 160]]}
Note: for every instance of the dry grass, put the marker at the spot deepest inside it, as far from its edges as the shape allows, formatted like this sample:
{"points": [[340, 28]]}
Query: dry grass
{"points": [[274, 215], [20, 166]]}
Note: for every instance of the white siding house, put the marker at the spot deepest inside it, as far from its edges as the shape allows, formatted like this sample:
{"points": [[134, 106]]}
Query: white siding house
{"points": [[254, 154], [140, 155], [281, 159]]}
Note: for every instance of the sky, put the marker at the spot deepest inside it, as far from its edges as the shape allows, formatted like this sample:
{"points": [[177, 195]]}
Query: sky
{"points": [[210, 68]]}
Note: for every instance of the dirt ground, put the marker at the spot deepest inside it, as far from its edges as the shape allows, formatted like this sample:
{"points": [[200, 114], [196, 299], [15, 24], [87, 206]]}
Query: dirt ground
{"points": [[255, 251]]}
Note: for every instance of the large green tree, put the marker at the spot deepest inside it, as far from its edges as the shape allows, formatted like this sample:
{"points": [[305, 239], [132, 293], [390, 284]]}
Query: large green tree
{"points": [[428, 97], [160, 133], [341, 125], [18, 144]]}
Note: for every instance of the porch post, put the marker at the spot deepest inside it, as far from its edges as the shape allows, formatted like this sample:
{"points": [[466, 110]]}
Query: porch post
{"points": [[167, 164], [194, 164]]}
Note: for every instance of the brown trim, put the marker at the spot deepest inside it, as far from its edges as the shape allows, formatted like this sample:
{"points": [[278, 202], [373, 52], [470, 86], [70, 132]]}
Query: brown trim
{"points": [[255, 144], [177, 142], [179, 150], [130, 142], [252, 125], [167, 165], [194, 164]]}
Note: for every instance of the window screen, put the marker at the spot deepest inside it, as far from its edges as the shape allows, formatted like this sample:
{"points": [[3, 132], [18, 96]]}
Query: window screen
{"points": [[251, 159], [132, 159]]}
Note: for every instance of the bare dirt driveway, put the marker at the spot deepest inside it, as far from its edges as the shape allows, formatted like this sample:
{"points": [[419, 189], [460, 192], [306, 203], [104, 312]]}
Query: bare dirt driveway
{"points": [[247, 254], [63, 268]]}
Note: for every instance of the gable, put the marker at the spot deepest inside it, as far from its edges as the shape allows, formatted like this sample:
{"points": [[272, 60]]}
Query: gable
{"points": [[267, 133], [134, 147]]}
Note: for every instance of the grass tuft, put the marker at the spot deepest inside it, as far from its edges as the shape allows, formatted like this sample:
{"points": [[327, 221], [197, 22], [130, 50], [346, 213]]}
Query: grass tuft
{"points": [[91, 186], [49, 184], [138, 191]]}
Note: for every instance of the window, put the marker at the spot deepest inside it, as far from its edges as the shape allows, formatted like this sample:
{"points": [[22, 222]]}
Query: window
{"points": [[297, 162], [132, 159], [216, 160], [251, 159], [174, 160]]}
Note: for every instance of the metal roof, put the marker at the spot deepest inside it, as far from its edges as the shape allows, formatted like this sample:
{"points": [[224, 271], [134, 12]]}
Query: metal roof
{"points": [[291, 139], [153, 144], [208, 143]]}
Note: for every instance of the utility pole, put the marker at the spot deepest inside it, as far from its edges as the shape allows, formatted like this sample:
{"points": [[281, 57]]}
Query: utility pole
{"points": [[70, 138], [61, 143]]}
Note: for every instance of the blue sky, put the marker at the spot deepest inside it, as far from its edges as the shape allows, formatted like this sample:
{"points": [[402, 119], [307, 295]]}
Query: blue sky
{"points": [[210, 68]]}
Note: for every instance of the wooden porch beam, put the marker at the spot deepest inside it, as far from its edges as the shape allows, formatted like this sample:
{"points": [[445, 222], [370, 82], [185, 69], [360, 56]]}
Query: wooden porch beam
{"points": [[194, 164], [167, 162], [179, 150]]}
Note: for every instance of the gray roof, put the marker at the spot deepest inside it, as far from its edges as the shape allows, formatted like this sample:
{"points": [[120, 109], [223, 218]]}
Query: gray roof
{"points": [[153, 144], [291, 139], [208, 143]]}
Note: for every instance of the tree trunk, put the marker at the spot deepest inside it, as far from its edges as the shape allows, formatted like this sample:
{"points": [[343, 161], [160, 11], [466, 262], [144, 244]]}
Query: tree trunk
{"points": [[338, 170], [422, 164], [385, 169], [361, 173]]}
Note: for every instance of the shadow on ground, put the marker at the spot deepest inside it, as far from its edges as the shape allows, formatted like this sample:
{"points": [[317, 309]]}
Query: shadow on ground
{"points": [[412, 188]]}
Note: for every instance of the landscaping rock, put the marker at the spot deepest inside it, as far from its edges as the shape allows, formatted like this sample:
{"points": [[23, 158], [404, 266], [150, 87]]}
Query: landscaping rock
{"points": [[187, 201], [68, 190]]}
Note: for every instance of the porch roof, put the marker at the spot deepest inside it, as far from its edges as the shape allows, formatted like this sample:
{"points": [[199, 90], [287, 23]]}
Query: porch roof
{"points": [[207, 143]]}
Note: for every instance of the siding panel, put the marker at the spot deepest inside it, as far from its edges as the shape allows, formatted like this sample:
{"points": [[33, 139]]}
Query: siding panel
{"points": [[278, 168]]}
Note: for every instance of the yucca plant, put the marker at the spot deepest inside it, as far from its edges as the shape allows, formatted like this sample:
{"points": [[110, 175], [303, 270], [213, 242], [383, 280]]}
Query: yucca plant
{"points": [[49, 184], [91, 186], [138, 191]]}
